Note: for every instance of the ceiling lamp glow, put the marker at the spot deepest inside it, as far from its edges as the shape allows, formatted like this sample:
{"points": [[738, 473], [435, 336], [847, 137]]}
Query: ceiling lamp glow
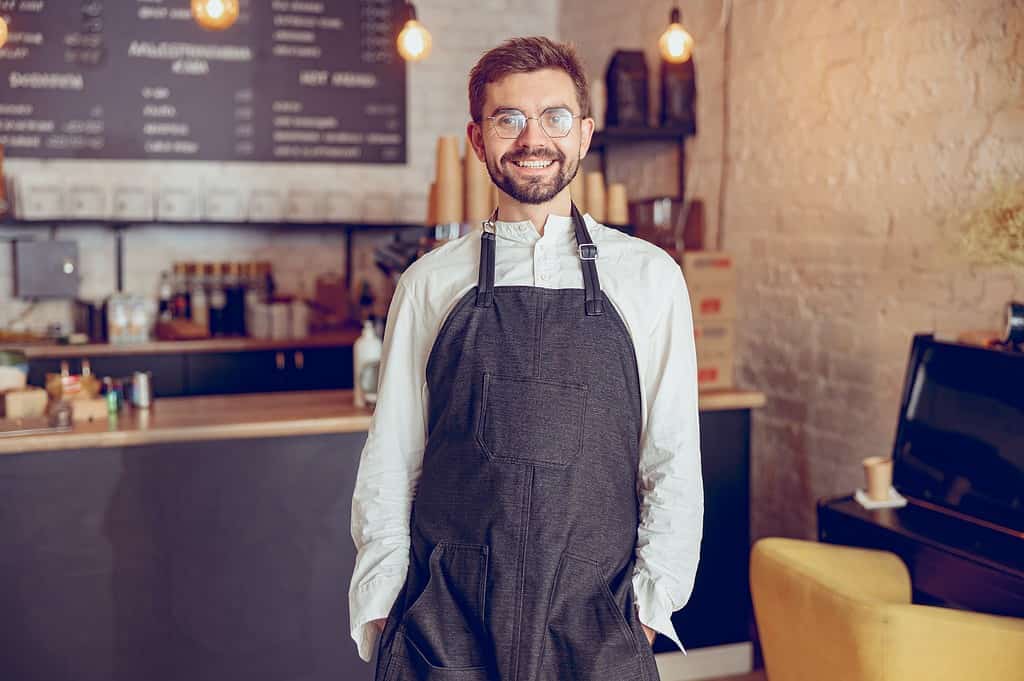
{"points": [[414, 40], [215, 15], [675, 45]]}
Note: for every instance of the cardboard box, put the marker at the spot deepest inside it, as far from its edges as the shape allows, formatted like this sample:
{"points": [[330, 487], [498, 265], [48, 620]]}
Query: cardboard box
{"points": [[709, 270], [711, 281], [714, 339], [716, 353], [713, 304], [715, 374]]}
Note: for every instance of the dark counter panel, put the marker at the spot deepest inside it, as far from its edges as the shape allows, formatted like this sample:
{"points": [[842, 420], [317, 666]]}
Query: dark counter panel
{"points": [[209, 560]]}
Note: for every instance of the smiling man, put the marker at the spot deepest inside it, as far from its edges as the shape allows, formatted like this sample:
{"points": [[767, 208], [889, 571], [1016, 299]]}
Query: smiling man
{"points": [[529, 504]]}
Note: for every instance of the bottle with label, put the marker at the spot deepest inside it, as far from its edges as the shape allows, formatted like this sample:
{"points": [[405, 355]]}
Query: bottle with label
{"points": [[217, 300], [199, 298], [180, 301], [366, 301], [234, 311], [366, 358], [165, 293]]}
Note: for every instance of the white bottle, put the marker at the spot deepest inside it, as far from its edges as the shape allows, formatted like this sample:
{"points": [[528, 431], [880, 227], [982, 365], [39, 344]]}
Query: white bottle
{"points": [[366, 359]]}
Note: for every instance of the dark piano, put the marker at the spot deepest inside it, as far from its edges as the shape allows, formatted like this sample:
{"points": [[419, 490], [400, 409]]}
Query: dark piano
{"points": [[959, 461]]}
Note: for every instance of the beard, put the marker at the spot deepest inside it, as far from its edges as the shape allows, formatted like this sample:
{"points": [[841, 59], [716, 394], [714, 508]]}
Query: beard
{"points": [[533, 190]]}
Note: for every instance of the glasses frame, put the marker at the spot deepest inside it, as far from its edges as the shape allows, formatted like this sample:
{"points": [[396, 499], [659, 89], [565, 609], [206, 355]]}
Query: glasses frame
{"points": [[575, 117]]}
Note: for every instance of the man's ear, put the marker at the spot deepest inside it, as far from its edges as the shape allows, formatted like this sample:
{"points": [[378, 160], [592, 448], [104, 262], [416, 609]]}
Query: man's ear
{"points": [[586, 134], [475, 136]]}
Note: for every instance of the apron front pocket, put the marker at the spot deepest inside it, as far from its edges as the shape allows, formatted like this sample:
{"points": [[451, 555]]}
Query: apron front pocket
{"points": [[413, 665], [587, 637], [529, 420], [444, 625]]}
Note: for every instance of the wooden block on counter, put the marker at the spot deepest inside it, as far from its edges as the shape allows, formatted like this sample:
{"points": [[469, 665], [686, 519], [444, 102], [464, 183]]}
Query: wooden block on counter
{"points": [[24, 403], [91, 409]]}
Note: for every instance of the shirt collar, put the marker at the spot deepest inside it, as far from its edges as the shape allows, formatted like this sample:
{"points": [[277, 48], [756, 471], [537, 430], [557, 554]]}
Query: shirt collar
{"points": [[558, 228]]}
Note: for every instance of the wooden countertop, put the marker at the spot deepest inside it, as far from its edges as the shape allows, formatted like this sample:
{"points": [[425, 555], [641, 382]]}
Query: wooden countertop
{"points": [[256, 415], [53, 351], [222, 417]]}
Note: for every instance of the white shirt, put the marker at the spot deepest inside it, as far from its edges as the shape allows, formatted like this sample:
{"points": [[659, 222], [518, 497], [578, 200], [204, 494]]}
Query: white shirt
{"points": [[646, 286]]}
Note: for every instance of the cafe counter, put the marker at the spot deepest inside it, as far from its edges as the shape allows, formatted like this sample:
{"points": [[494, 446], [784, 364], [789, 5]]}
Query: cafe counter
{"points": [[209, 537], [254, 415]]}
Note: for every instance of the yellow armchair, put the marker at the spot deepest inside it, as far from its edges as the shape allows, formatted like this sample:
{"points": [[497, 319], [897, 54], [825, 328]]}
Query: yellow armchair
{"points": [[838, 613]]}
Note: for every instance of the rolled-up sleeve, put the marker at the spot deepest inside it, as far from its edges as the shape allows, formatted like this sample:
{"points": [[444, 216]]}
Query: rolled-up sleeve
{"points": [[670, 481], [389, 468]]}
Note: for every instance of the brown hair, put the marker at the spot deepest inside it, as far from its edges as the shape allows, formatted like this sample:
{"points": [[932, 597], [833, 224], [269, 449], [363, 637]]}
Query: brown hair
{"points": [[525, 55]]}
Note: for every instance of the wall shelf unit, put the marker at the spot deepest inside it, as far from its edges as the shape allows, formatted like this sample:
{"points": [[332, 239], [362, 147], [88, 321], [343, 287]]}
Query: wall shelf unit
{"points": [[604, 139]]}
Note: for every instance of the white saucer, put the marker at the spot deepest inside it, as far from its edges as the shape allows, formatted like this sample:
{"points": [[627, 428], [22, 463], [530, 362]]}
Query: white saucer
{"points": [[895, 500]]}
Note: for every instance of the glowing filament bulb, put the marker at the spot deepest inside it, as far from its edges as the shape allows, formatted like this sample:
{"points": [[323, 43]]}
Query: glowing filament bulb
{"points": [[675, 45], [414, 41], [215, 15]]}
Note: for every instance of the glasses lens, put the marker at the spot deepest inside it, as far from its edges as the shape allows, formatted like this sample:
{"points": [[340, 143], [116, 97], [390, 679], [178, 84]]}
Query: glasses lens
{"points": [[556, 122], [510, 124]]}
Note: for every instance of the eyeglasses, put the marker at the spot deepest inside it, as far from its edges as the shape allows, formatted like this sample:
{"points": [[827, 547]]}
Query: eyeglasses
{"points": [[510, 123]]}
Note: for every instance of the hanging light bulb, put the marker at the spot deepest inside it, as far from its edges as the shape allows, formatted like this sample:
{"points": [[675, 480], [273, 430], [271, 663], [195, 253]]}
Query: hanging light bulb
{"points": [[676, 45], [215, 15], [3, 31], [414, 40]]}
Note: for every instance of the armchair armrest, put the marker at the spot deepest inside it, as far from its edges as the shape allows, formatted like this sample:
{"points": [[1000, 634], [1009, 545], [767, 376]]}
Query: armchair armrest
{"points": [[942, 644]]}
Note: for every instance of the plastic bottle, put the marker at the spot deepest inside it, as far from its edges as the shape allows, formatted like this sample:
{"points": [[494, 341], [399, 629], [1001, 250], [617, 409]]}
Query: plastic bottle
{"points": [[366, 359]]}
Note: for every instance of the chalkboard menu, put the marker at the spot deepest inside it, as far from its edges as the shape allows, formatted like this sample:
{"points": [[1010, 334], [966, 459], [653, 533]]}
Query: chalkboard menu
{"points": [[292, 80]]}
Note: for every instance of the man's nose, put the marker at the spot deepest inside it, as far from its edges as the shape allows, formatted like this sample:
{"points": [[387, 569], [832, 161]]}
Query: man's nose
{"points": [[533, 135]]}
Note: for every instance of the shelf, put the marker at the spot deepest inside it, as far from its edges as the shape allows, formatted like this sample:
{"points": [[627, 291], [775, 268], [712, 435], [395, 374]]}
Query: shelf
{"points": [[158, 347], [125, 224], [609, 136]]}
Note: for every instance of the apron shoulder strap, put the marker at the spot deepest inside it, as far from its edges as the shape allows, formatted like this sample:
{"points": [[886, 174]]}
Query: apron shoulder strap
{"points": [[587, 249], [485, 285]]}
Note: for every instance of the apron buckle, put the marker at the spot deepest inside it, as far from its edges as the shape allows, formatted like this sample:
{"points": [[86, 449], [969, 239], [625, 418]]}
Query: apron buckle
{"points": [[587, 251]]}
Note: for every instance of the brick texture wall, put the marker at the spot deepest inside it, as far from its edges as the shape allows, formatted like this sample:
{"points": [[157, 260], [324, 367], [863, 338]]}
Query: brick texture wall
{"points": [[437, 105], [859, 134]]}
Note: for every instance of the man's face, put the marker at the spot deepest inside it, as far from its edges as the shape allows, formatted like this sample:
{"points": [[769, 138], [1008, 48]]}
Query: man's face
{"points": [[534, 167]]}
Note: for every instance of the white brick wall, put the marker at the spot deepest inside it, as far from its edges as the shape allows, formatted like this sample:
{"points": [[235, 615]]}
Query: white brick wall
{"points": [[437, 105], [860, 132]]}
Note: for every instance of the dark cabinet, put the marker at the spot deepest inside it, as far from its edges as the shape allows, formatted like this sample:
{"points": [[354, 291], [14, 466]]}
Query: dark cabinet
{"points": [[318, 369], [222, 373]]}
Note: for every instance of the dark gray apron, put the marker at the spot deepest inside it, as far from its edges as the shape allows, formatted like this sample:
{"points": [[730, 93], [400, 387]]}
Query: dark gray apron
{"points": [[524, 523]]}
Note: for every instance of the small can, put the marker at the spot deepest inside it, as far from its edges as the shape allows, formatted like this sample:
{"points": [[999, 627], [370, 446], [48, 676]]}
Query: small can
{"points": [[112, 393], [142, 391]]}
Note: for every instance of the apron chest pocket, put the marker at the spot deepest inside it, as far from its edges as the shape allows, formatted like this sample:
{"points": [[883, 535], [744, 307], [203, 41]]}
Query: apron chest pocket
{"points": [[532, 421], [444, 625]]}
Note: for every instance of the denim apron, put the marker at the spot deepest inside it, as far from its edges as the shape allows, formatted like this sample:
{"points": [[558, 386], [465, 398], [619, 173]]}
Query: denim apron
{"points": [[524, 522]]}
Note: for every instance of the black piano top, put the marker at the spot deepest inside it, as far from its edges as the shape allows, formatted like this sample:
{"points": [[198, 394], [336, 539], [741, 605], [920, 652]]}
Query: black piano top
{"points": [[925, 525], [960, 441]]}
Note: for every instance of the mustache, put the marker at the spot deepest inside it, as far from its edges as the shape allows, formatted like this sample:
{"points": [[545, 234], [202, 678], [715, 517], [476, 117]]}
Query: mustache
{"points": [[535, 154]]}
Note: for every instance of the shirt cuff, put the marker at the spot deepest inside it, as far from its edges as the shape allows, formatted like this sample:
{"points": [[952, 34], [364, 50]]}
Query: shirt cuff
{"points": [[369, 602], [655, 608]]}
